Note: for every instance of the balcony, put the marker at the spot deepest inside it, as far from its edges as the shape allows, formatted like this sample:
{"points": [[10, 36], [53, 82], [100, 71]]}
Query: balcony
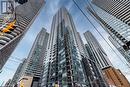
{"points": [[2, 42]]}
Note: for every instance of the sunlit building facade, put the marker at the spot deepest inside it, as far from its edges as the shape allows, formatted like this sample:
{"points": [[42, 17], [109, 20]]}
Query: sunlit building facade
{"points": [[115, 78], [24, 16], [115, 19]]}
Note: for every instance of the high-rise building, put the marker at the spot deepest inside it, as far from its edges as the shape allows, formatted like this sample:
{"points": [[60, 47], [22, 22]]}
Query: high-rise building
{"points": [[34, 65], [95, 51], [81, 46], [114, 17], [62, 66], [115, 78], [120, 49], [119, 9], [93, 72], [18, 73], [25, 14]]}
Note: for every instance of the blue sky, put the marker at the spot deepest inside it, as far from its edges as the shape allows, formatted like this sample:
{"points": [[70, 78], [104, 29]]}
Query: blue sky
{"points": [[44, 19]]}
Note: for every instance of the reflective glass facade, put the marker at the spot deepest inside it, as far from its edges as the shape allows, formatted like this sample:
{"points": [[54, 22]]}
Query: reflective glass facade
{"points": [[118, 8], [34, 65], [126, 54], [96, 62], [63, 61], [96, 51], [114, 18]]}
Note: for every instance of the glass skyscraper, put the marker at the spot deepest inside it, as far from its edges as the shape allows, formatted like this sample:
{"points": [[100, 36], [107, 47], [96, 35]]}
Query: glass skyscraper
{"points": [[97, 61], [24, 15], [67, 62], [118, 8], [114, 17], [34, 65], [125, 53], [96, 52], [63, 61]]}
